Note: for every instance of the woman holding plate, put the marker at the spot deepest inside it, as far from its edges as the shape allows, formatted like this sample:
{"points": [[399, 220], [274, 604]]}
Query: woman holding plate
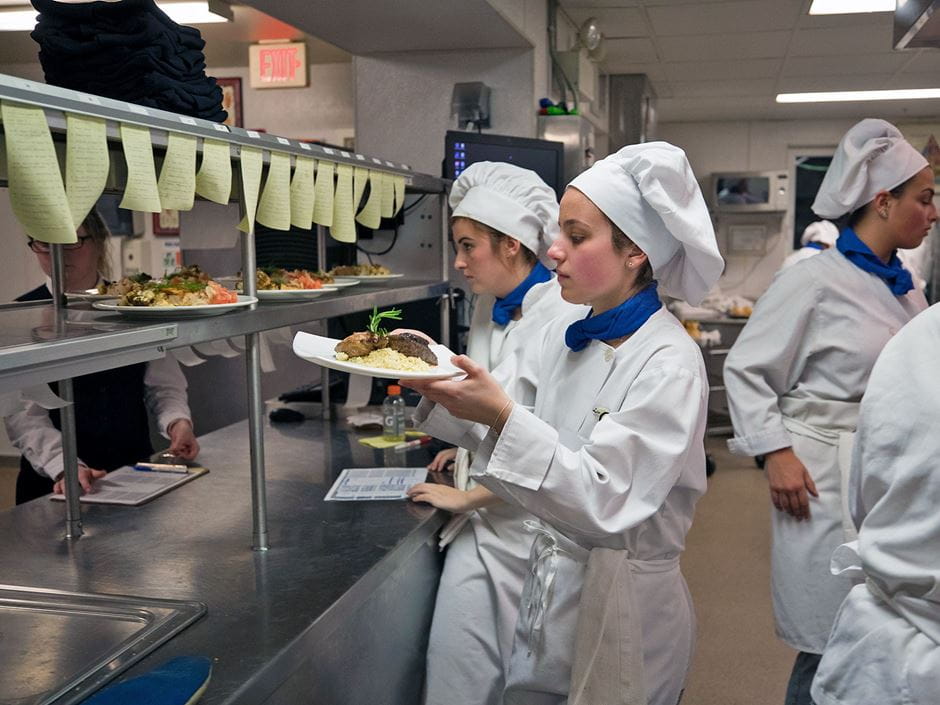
{"points": [[610, 458]]}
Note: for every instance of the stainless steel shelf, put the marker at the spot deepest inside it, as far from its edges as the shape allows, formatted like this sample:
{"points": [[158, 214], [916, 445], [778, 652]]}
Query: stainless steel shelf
{"points": [[37, 345]]}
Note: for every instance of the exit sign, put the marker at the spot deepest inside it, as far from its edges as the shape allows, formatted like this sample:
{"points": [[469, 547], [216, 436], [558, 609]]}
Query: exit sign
{"points": [[278, 65]]}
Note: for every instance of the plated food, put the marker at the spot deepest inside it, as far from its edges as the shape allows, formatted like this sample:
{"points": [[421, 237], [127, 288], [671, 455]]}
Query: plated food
{"points": [[375, 347], [189, 286], [361, 270], [276, 279]]}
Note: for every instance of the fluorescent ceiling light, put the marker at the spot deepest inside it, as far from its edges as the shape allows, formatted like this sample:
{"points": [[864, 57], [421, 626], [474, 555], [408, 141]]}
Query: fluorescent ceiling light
{"points": [[843, 96], [204, 12], [849, 7]]}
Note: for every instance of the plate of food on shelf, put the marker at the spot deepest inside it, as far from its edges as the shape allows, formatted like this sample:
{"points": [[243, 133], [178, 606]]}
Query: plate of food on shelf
{"points": [[277, 284], [375, 352], [186, 292], [109, 290], [364, 273]]}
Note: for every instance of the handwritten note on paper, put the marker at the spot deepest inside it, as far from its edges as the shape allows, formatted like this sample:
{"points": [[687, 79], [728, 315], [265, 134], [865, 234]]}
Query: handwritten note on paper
{"points": [[323, 194], [370, 214], [344, 224], [177, 182], [37, 193], [86, 163], [388, 195], [214, 179], [140, 193], [360, 179], [274, 207], [251, 163], [398, 183], [301, 193]]}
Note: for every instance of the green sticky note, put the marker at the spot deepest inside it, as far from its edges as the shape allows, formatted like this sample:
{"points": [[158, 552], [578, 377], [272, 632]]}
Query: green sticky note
{"points": [[388, 195], [323, 194], [274, 207], [140, 192], [177, 182], [251, 164], [399, 185], [37, 193], [214, 180], [344, 225], [360, 179], [371, 213], [86, 163], [301, 193]]}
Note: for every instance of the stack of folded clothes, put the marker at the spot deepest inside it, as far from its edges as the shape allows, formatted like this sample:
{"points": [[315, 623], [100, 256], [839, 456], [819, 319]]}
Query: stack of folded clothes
{"points": [[129, 50]]}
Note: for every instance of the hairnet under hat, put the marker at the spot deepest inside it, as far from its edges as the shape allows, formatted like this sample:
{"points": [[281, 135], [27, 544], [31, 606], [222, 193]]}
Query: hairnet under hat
{"points": [[649, 192], [873, 156], [820, 231], [510, 199]]}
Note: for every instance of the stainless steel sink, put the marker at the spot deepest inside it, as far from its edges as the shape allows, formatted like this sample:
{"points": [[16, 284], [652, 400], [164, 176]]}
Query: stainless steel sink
{"points": [[58, 647]]}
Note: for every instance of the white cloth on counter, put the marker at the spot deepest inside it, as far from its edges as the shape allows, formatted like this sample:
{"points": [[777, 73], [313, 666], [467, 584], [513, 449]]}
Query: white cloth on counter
{"points": [[885, 645], [31, 431], [794, 378], [481, 584], [614, 461], [510, 199], [649, 191], [872, 156]]}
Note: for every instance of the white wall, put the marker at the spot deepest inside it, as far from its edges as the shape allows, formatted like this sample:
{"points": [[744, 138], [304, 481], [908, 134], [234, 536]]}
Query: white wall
{"points": [[403, 100], [752, 146]]}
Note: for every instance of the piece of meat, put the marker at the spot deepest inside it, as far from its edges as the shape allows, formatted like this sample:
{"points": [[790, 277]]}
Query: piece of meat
{"points": [[360, 344], [413, 346]]}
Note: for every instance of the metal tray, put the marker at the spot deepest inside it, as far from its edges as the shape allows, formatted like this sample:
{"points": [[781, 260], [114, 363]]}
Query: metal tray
{"points": [[58, 647]]}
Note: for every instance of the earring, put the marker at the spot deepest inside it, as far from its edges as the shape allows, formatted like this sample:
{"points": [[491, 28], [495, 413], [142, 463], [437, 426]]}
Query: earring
{"points": [[883, 212]]}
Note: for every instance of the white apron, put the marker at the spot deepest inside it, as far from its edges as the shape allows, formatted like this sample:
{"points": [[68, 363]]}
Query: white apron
{"points": [[806, 596]]}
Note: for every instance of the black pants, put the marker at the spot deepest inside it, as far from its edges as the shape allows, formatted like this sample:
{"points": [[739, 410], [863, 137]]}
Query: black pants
{"points": [[30, 485], [801, 679]]}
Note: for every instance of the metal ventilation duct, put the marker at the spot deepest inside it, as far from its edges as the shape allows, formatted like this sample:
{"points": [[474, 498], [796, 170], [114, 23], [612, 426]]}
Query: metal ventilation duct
{"points": [[917, 24], [632, 110]]}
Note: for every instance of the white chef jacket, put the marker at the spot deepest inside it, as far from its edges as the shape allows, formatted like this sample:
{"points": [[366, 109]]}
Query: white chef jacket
{"points": [[611, 457], [481, 584], [794, 378], [31, 431], [885, 645]]}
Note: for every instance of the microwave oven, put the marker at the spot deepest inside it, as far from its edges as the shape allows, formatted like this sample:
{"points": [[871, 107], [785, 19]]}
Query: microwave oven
{"points": [[748, 191]]}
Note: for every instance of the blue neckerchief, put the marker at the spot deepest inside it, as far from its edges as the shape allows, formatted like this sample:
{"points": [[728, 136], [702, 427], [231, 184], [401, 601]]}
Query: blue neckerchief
{"points": [[858, 253], [815, 245], [504, 307], [617, 322]]}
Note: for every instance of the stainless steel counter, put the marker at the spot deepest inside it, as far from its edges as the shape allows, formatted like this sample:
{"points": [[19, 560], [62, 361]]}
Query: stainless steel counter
{"points": [[336, 611]]}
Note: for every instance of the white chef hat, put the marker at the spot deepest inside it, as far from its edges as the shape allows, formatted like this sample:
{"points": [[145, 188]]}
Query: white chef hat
{"points": [[649, 192], [873, 156], [510, 199], [820, 231]]}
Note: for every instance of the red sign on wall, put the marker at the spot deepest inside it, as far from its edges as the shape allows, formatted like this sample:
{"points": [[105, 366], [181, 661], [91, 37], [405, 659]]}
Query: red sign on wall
{"points": [[279, 65]]}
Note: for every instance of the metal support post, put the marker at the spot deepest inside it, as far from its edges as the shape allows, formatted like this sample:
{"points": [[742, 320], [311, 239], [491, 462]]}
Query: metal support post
{"points": [[325, 408], [447, 300]]}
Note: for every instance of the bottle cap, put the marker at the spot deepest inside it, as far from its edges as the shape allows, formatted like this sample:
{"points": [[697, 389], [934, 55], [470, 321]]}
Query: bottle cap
{"points": [[393, 389]]}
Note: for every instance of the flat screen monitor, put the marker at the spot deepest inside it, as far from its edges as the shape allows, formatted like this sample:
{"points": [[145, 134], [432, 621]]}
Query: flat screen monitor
{"points": [[545, 158]]}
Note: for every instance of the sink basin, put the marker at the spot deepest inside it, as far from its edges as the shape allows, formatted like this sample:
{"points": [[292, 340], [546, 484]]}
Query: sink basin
{"points": [[58, 647]]}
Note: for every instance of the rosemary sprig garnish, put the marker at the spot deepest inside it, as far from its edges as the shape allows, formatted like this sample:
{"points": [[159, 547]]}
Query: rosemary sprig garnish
{"points": [[377, 317]]}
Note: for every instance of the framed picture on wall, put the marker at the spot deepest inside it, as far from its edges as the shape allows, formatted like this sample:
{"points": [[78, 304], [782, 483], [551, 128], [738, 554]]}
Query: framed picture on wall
{"points": [[166, 223], [231, 100]]}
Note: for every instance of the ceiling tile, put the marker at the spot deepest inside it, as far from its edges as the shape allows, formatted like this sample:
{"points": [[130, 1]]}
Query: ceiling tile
{"points": [[916, 79], [719, 18], [751, 45], [840, 65], [568, 4], [655, 72], [614, 21], [630, 50], [922, 60], [751, 88], [730, 69], [848, 82], [845, 40]]}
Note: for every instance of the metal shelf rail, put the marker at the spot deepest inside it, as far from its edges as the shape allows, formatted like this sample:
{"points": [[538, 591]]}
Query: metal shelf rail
{"points": [[43, 343]]}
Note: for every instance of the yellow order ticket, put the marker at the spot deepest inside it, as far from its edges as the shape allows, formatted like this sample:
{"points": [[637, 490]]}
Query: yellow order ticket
{"points": [[37, 193]]}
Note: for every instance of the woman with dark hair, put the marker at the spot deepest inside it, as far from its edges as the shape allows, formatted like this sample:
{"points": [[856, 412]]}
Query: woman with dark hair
{"points": [[797, 372], [110, 406], [610, 456]]}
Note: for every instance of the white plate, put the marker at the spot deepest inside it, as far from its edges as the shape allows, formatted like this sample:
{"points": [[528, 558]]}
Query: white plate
{"points": [[293, 294], [88, 295], [363, 279], [174, 311], [321, 351], [343, 282]]}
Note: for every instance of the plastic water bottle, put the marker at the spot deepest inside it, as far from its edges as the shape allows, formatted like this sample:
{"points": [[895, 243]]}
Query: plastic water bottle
{"points": [[393, 415]]}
